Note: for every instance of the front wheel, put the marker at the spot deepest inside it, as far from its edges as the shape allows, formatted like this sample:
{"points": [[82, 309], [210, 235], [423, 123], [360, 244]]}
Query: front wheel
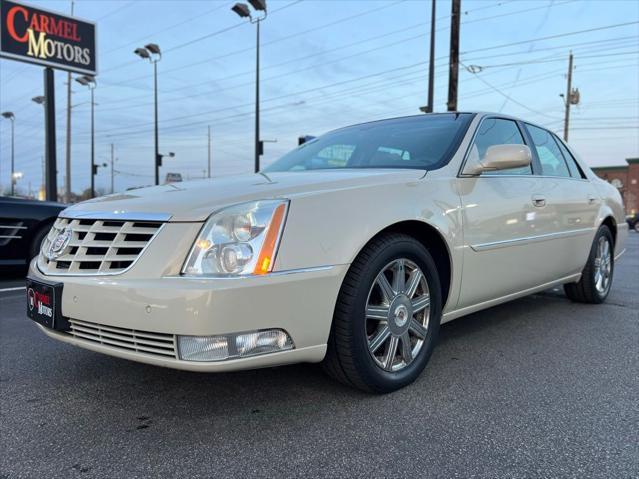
{"points": [[596, 277], [387, 316]]}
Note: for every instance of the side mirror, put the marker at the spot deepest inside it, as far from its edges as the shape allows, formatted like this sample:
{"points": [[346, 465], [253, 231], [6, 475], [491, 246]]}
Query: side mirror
{"points": [[498, 157]]}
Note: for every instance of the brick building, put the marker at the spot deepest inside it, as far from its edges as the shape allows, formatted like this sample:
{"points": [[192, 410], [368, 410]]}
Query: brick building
{"points": [[626, 179]]}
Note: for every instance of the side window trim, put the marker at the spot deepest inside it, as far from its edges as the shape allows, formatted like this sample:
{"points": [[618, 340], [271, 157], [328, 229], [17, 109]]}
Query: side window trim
{"points": [[536, 162]]}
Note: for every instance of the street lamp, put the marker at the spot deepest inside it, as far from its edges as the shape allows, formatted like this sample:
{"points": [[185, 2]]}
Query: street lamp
{"points": [[152, 53], [90, 82], [41, 100], [10, 116], [243, 11]]}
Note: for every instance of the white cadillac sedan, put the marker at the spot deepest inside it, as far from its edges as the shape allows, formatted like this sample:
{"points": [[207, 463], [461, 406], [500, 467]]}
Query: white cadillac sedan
{"points": [[350, 250]]}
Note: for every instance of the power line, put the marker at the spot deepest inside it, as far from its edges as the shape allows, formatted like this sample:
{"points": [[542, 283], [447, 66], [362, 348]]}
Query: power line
{"points": [[204, 37], [508, 97], [166, 29], [330, 24], [550, 37]]}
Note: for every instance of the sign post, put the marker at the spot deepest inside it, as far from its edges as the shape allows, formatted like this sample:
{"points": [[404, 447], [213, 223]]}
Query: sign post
{"points": [[41, 37], [50, 168]]}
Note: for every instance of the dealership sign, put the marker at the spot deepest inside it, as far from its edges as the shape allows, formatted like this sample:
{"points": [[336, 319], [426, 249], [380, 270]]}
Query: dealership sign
{"points": [[46, 38]]}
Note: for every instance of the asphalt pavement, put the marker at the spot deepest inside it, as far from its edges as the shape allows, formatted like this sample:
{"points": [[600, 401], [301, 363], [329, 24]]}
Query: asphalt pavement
{"points": [[539, 387]]}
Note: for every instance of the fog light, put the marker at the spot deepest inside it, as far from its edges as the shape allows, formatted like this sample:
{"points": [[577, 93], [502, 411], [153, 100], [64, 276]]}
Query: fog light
{"points": [[232, 346], [203, 348], [261, 342]]}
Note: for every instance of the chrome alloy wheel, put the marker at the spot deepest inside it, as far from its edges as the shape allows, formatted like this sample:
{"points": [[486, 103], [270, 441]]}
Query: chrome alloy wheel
{"points": [[603, 266], [397, 314]]}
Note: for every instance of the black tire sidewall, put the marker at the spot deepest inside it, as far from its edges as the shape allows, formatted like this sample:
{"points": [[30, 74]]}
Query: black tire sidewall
{"points": [[369, 371], [36, 242]]}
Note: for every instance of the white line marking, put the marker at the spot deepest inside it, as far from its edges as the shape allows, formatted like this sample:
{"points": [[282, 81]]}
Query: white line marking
{"points": [[19, 288]]}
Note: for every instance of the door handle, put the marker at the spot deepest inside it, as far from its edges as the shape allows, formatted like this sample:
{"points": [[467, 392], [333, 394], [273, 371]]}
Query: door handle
{"points": [[539, 201]]}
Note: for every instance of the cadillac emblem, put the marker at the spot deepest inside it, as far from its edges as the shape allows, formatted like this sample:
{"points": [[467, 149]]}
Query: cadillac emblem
{"points": [[59, 243]]}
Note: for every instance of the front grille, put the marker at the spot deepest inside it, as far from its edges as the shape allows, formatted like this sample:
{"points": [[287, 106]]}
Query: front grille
{"points": [[95, 246], [155, 344]]}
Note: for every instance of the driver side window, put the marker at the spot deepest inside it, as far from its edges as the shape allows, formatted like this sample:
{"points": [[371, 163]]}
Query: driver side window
{"points": [[498, 131]]}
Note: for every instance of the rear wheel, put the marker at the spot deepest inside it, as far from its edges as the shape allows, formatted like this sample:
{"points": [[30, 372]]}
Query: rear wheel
{"points": [[596, 278], [387, 316]]}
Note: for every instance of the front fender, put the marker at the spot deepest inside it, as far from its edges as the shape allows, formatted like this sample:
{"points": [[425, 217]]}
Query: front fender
{"points": [[332, 228]]}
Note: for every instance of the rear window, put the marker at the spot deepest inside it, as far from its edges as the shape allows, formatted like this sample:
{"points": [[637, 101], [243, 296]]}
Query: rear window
{"points": [[420, 142]]}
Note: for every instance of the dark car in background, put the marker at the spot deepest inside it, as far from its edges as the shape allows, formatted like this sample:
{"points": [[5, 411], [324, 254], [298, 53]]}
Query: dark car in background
{"points": [[633, 221], [23, 225]]}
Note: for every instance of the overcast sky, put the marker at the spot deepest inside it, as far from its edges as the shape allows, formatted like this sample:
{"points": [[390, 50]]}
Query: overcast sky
{"points": [[325, 64]]}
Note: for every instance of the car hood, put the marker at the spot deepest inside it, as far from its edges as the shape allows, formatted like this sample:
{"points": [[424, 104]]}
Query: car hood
{"points": [[196, 200]]}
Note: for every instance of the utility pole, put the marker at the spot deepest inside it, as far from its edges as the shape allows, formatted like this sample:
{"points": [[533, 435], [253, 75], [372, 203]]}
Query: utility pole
{"points": [[453, 73], [67, 162], [67, 178], [209, 175], [258, 148], [112, 172], [158, 158], [42, 191], [570, 98], [431, 65], [51, 182]]}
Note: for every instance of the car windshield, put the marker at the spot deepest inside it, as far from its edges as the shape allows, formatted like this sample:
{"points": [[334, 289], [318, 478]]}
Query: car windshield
{"points": [[419, 142]]}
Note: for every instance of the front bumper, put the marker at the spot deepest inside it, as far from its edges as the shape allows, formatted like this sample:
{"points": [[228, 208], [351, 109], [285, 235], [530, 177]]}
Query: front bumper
{"points": [[299, 302]]}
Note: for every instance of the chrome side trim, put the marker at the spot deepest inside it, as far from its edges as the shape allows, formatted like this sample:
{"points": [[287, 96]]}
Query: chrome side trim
{"points": [[249, 276], [116, 215], [13, 227], [529, 239], [10, 237]]}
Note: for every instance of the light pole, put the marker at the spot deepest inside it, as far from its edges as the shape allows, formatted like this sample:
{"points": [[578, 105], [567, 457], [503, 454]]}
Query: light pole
{"points": [[90, 82], [10, 116], [41, 100], [243, 11], [152, 53]]}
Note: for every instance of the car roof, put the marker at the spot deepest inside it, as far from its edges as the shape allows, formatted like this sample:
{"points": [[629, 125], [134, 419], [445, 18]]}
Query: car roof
{"points": [[426, 115]]}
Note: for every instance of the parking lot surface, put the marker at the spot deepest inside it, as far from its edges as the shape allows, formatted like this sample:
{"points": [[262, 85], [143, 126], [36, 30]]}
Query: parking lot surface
{"points": [[539, 387]]}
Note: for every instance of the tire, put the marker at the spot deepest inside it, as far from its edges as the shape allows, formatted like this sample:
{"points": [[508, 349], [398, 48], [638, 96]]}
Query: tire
{"points": [[636, 227], [351, 357], [590, 288], [36, 242]]}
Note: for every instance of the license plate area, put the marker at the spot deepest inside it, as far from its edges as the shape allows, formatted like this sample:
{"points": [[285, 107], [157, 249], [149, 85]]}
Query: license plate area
{"points": [[44, 303]]}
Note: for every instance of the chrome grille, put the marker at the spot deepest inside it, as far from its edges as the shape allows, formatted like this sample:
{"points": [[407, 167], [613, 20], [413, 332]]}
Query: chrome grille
{"points": [[156, 344], [95, 247]]}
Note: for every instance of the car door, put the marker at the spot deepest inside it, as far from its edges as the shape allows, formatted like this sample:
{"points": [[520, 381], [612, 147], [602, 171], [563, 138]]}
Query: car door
{"points": [[504, 218], [572, 199]]}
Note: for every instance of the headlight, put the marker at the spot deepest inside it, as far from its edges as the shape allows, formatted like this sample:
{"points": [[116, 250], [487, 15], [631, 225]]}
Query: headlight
{"points": [[239, 240]]}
